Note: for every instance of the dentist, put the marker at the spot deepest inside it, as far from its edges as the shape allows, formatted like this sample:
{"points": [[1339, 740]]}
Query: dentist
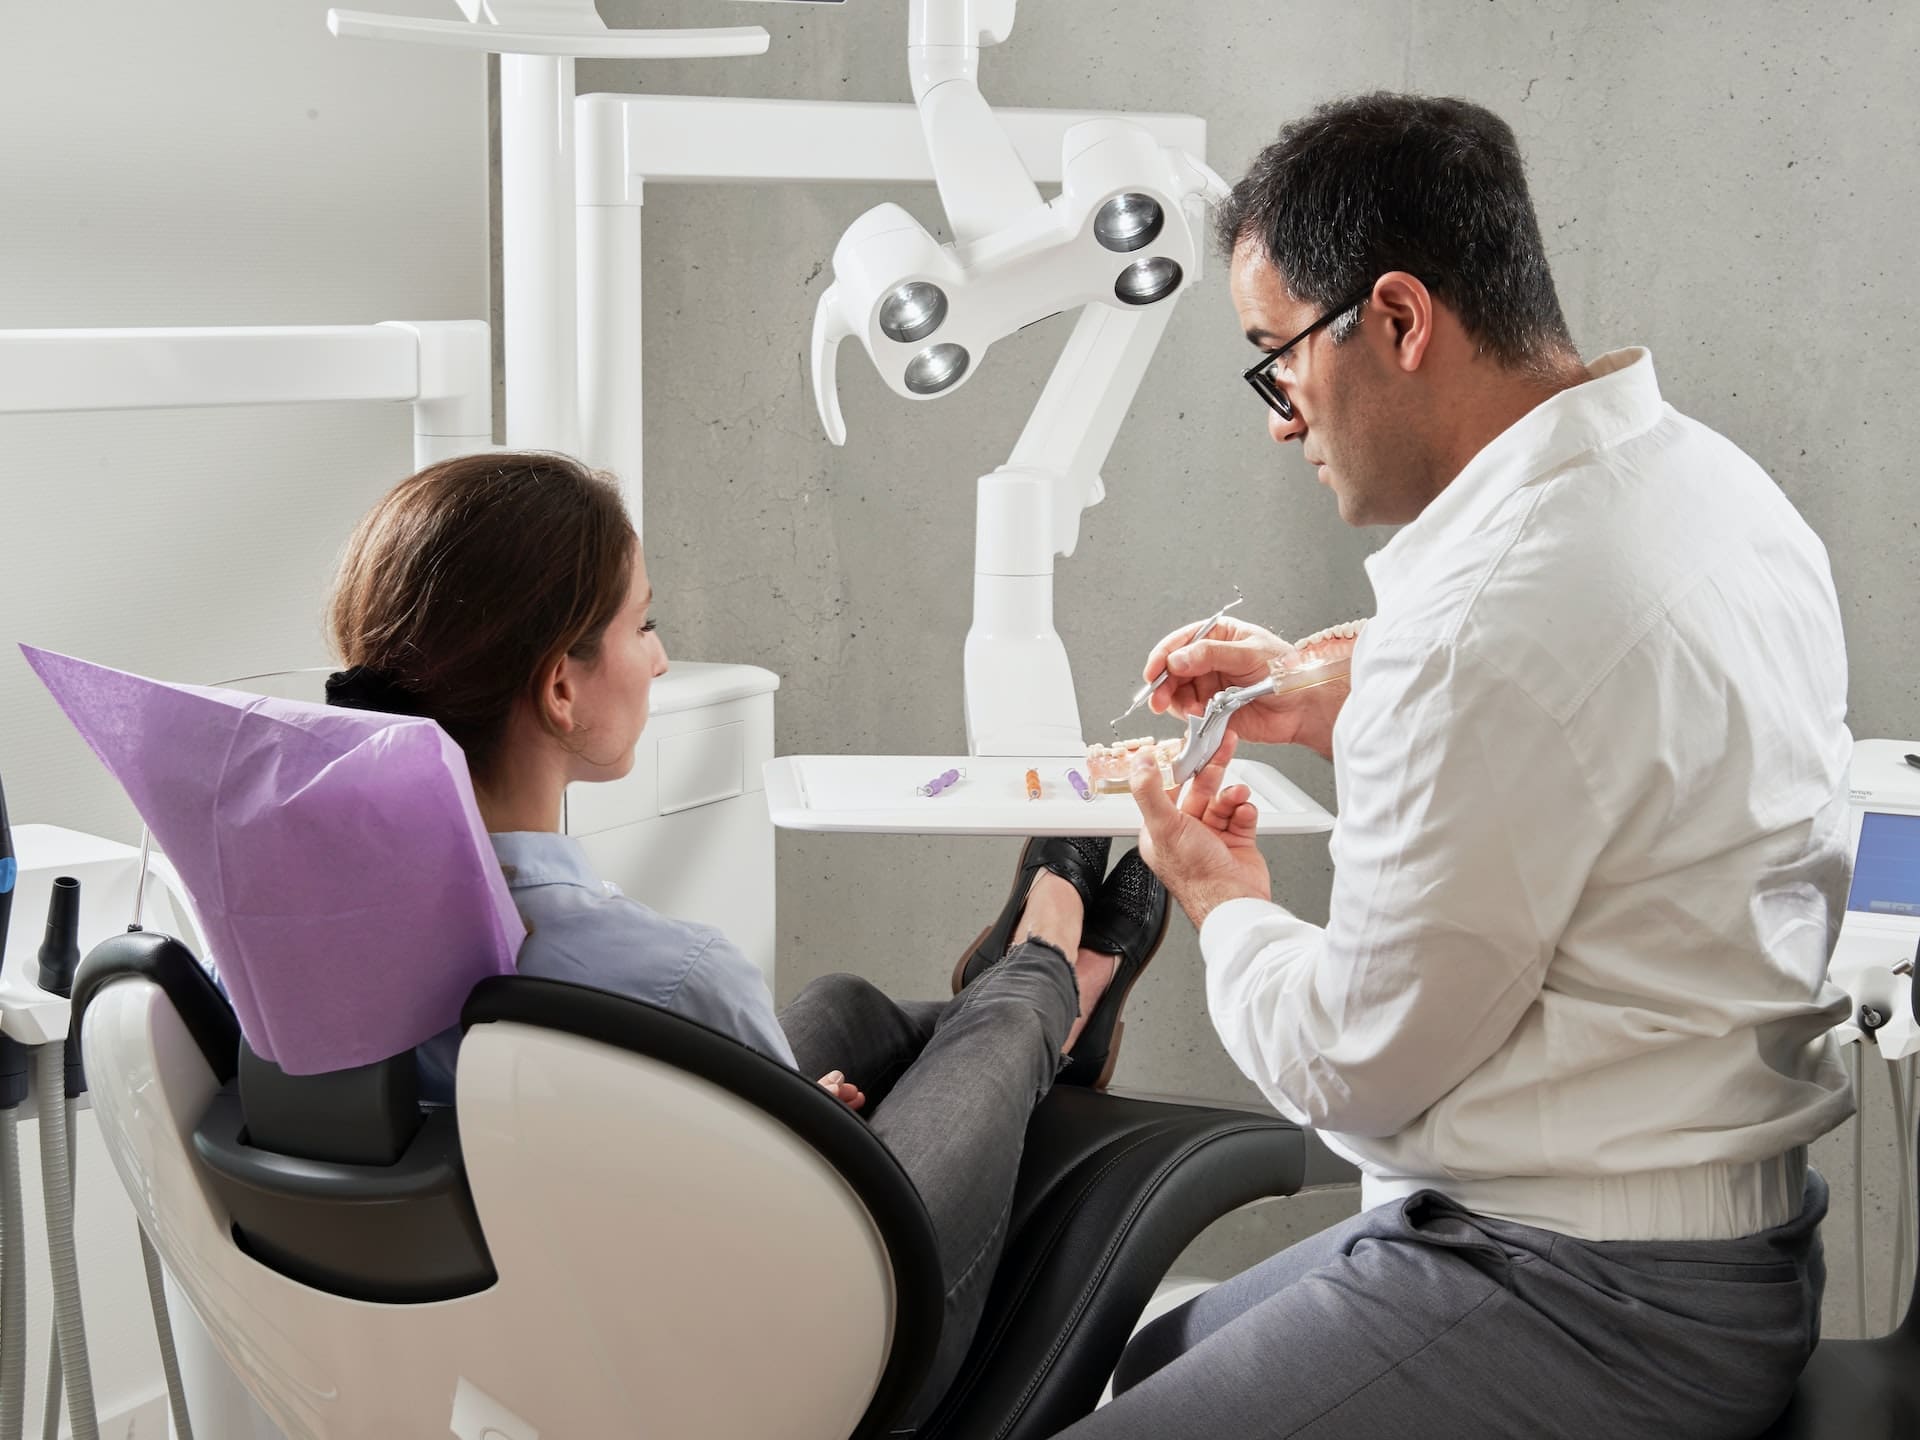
{"points": [[1569, 1009]]}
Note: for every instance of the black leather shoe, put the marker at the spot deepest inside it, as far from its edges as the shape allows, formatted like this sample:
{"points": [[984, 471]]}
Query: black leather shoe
{"points": [[1080, 860], [1128, 919]]}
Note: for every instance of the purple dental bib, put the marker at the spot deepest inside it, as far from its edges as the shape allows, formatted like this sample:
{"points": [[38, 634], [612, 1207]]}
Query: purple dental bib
{"points": [[346, 888]]}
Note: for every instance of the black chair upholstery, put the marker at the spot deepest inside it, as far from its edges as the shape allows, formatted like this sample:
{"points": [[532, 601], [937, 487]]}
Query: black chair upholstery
{"points": [[1110, 1189], [1858, 1390]]}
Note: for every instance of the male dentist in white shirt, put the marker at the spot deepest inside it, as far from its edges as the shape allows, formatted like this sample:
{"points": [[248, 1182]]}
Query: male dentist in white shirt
{"points": [[1569, 1009]]}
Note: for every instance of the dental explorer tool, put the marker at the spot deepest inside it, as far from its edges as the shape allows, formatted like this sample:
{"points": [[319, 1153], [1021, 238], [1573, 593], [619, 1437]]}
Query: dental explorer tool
{"points": [[1206, 628]]}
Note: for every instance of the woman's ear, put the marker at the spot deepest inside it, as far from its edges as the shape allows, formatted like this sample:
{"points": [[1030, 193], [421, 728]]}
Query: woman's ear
{"points": [[557, 697]]}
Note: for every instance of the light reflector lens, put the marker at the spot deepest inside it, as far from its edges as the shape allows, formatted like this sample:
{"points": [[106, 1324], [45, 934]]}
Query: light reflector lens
{"points": [[1145, 281], [913, 311], [936, 368], [1128, 222]]}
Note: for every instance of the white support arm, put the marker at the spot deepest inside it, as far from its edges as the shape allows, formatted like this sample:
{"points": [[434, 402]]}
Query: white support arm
{"points": [[1072, 428], [983, 185], [532, 39], [442, 367]]}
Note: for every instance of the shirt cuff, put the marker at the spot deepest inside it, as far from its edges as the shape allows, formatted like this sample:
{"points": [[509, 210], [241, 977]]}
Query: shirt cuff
{"points": [[1229, 923]]}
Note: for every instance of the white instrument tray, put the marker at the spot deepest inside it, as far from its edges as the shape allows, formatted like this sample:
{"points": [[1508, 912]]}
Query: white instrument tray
{"points": [[875, 794]]}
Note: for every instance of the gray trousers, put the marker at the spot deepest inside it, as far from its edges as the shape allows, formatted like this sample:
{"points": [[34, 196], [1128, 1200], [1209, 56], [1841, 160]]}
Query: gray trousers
{"points": [[1420, 1318], [950, 1086]]}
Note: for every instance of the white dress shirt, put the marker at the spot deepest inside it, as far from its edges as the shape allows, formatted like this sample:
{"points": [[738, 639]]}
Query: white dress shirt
{"points": [[1591, 855]]}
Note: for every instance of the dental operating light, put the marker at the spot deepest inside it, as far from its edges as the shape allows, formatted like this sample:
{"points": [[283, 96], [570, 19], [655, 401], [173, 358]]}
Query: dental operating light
{"points": [[1125, 231], [1119, 244]]}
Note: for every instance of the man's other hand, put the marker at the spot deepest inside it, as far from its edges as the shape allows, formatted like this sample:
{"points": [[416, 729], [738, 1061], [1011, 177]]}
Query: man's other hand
{"points": [[1201, 846]]}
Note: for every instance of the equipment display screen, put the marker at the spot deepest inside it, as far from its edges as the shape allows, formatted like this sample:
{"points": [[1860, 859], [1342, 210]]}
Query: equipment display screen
{"points": [[1886, 867]]}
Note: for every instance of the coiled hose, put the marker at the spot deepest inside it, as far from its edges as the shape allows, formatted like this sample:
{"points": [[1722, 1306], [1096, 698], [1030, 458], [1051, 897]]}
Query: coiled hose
{"points": [[163, 1331], [13, 1283], [50, 1080]]}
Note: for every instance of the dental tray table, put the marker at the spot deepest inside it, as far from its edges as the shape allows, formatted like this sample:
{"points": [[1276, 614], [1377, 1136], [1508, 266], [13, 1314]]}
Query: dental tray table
{"points": [[875, 794]]}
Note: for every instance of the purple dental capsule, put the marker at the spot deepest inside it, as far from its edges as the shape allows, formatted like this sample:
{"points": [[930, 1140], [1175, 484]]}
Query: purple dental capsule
{"points": [[1075, 779], [938, 783]]}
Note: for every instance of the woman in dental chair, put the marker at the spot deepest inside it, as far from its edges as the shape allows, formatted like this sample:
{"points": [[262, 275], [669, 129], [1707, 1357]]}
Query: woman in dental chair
{"points": [[505, 597]]}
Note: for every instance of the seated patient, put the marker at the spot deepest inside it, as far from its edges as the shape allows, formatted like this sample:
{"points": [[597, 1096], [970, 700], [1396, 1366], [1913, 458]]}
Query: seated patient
{"points": [[505, 597]]}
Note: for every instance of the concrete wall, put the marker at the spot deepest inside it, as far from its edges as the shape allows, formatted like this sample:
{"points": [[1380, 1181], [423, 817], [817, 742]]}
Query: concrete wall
{"points": [[1724, 182], [221, 163]]}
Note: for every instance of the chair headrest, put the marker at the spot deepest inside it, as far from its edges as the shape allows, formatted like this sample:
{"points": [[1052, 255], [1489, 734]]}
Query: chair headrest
{"points": [[335, 859]]}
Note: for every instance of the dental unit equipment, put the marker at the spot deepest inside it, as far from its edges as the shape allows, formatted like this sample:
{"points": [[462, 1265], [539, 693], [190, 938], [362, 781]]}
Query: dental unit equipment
{"points": [[1201, 631], [1874, 961]]}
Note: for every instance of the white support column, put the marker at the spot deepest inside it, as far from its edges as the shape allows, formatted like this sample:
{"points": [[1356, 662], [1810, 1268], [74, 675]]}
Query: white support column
{"points": [[537, 243], [609, 240], [1018, 684]]}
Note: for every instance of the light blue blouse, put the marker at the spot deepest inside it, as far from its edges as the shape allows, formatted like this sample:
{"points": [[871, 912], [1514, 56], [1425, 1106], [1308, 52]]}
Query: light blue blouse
{"points": [[583, 930]]}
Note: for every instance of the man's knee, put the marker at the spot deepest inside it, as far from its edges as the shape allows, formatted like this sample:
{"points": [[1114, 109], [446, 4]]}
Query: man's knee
{"points": [[1157, 1345], [841, 993]]}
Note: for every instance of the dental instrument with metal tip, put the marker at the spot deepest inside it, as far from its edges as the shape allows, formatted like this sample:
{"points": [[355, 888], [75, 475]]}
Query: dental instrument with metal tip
{"points": [[1206, 628], [1298, 669]]}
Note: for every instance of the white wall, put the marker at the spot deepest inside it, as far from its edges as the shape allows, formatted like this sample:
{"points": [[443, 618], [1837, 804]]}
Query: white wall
{"points": [[224, 162]]}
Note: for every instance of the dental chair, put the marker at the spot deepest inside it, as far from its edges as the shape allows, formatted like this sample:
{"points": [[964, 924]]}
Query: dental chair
{"points": [[627, 1225]]}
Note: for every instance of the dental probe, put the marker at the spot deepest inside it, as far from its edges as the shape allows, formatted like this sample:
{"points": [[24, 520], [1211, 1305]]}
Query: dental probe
{"points": [[1206, 628]]}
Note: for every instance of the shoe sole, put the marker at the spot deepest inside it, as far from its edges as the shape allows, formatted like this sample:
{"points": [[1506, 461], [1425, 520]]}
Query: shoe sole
{"points": [[1120, 1026]]}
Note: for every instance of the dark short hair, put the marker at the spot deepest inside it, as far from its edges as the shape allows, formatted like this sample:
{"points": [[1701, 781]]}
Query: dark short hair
{"points": [[472, 577], [1434, 187]]}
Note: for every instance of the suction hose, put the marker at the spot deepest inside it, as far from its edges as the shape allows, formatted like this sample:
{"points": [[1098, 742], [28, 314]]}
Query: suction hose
{"points": [[13, 1248], [56, 1178], [163, 1331], [60, 1080]]}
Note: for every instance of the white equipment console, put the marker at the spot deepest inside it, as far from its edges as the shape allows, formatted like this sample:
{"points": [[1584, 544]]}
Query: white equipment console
{"points": [[1880, 935]]}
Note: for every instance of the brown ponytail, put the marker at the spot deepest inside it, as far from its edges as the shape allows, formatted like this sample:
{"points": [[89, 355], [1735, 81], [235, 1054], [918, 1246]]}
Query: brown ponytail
{"points": [[472, 577]]}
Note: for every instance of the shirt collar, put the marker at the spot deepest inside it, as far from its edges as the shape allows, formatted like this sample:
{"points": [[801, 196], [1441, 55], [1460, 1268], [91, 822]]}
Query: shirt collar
{"points": [[1621, 399], [542, 857]]}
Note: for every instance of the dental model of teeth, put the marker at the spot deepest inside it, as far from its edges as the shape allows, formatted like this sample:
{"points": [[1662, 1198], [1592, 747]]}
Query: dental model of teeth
{"points": [[1108, 766], [1324, 655]]}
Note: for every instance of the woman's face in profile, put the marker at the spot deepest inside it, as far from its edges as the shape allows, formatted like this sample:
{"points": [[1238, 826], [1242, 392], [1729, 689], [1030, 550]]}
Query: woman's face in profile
{"points": [[614, 688]]}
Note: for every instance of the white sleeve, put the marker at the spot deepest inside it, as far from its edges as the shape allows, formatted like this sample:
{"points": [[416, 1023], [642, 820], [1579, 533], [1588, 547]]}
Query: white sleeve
{"points": [[1464, 839]]}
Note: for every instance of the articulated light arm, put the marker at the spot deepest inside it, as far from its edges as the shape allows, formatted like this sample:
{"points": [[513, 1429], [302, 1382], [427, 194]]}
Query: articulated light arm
{"points": [[1119, 243], [983, 185]]}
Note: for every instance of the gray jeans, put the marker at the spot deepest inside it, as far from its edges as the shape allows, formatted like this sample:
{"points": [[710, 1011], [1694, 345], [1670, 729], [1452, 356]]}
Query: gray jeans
{"points": [[950, 1086], [1420, 1318]]}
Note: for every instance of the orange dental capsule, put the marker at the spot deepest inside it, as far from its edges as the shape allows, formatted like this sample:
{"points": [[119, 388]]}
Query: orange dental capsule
{"points": [[1033, 784]]}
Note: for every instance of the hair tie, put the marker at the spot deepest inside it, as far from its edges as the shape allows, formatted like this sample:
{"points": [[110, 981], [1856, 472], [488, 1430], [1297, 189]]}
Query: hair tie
{"points": [[362, 687]]}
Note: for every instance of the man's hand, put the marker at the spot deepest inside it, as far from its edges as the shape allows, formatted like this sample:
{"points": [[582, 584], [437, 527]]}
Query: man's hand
{"points": [[1202, 848], [842, 1089], [1238, 653]]}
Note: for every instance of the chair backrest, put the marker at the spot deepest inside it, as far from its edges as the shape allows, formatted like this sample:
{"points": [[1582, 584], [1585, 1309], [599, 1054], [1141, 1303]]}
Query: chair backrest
{"points": [[679, 1237]]}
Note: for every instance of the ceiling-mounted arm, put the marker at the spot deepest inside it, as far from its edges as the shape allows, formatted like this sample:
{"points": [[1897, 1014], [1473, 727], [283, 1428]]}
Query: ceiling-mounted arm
{"points": [[571, 28], [983, 185]]}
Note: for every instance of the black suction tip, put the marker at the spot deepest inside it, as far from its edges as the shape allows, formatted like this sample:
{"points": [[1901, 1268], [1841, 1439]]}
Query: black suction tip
{"points": [[60, 951]]}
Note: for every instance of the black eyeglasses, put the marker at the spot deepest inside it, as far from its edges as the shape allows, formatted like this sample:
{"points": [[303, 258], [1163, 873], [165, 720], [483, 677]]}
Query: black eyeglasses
{"points": [[1259, 374]]}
